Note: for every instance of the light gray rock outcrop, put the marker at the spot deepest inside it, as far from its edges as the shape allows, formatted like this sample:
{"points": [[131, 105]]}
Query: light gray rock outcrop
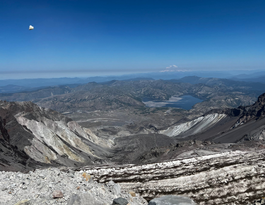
{"points": [[236, 177]]}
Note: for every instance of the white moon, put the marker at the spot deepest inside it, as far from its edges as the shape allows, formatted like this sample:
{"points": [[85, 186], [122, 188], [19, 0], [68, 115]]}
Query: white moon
{"points": [[31, 27]]}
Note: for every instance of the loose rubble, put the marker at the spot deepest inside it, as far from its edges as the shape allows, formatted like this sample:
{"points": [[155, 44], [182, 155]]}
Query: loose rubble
{"points": [[54, 186], [236, 177]]}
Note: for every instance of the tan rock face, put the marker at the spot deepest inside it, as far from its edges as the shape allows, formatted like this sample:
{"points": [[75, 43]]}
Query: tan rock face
{"points": [[228, 178]]}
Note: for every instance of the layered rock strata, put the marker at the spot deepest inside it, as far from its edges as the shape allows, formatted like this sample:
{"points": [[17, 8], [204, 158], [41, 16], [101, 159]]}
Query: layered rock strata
{"points": [[236, 177]]}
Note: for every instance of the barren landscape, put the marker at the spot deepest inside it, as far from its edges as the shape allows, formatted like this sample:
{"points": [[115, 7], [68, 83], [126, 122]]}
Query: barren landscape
{"points": [[113, 136], [136, 102]]}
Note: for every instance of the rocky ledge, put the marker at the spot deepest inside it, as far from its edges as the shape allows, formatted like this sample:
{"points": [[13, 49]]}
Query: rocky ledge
{"points": [[236, 177]]}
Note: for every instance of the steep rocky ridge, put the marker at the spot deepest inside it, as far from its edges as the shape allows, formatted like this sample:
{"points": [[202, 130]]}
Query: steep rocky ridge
{"points": [[13, 139], [45, 136]]}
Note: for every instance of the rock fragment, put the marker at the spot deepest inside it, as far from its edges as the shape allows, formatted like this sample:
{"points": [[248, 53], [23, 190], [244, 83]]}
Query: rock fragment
{"points": [[57, 194], [120, 201]]}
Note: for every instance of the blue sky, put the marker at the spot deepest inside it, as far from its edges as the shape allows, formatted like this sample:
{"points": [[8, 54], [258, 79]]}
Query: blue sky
{"points": [[86, 38]]}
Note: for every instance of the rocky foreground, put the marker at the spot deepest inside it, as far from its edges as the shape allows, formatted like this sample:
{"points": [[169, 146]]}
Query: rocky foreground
{"points": [[34, 138], [54, 186], [236, 177]]}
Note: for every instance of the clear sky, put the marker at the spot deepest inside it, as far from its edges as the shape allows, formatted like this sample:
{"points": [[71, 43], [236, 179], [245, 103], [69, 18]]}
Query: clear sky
{"points": [[88, 37]]}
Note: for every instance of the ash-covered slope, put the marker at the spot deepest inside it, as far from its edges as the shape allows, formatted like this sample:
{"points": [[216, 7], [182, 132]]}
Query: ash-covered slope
{"points": [[31, 136], [193, 127]]}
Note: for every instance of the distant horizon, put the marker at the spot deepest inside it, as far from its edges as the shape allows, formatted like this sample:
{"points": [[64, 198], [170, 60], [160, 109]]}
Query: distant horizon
{"points": [[106, 74], [117, 37]]}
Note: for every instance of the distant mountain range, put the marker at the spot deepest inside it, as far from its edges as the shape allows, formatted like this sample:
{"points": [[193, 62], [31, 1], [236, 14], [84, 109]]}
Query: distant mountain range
{"points": [[25, 84]]}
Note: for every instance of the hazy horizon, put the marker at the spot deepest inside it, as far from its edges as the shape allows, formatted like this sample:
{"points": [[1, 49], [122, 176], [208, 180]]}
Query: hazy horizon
{"points": [[88, 38], [107, 74]]}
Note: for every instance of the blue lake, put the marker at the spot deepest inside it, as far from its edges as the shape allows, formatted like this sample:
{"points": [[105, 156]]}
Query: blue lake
{"points": [[185, 102]]}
